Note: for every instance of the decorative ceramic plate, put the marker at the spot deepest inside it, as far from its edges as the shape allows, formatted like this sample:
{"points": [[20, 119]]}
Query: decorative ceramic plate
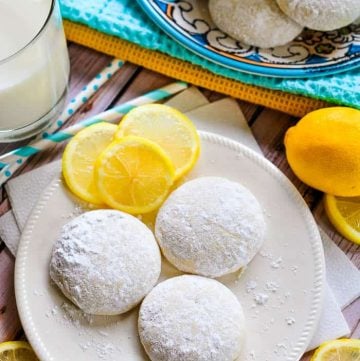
{"points": [[281, 290], [313, 53]]}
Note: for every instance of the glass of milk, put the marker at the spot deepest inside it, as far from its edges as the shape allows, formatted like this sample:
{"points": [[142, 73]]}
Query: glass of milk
{"points": [[34, 67]]}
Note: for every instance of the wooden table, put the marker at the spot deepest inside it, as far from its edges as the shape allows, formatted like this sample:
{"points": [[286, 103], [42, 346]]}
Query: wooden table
{"points": [[268, 127]]}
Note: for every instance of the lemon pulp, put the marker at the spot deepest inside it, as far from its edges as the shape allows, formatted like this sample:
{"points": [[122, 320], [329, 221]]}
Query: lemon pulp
{"points": [[344, 214], [338, 350], [133, 175], [17, 351], [167, 127], [79, 159]]}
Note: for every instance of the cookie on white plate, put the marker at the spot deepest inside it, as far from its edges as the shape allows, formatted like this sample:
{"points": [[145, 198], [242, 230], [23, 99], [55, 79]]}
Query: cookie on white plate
{"points": [[254, 22], [210, 226], [105, 262], [191, 318]]}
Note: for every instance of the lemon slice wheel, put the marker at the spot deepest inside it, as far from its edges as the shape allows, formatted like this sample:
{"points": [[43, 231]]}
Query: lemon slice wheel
{"points": [[79, 159], [344, 214], [338, 350], [134, 175], [167, 127], [17, 351]]}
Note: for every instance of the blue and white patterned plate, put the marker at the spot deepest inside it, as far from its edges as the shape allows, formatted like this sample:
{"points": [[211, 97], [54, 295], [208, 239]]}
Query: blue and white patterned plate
{"points": [[312, 53]]}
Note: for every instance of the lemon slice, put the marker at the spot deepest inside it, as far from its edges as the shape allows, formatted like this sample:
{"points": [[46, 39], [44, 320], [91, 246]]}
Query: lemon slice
{"points": [[133, 175], [344, 214], [167, 127], [16, 351], [79, 158], [338, 350]]}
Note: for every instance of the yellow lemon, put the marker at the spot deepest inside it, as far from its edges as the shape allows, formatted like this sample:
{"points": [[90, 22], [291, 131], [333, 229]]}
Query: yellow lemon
{"points": [[134, 175], [344, 214], [323, 150], [167, 127], [338, 350], [79, 158], [16, 351]]}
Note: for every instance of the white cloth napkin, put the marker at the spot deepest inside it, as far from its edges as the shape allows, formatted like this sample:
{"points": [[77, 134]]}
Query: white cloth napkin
{"points": [[223, 117]]}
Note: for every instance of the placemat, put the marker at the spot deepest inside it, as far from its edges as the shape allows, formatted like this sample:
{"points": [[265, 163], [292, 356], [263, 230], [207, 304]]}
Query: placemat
{"points": [[137, 39]]}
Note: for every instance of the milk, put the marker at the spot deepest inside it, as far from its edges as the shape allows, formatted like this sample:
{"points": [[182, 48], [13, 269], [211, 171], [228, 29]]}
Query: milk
{"points": [[33, 80]]}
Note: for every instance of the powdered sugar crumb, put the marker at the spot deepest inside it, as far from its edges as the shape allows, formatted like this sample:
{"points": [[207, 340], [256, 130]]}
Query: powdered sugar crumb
{"points": [[252, 355], [250, 286], [69, 315], [271, 286], [104, 350], [266, 254], [290, 321], [281, 349], [54, 311], [277, 263], [261, 298]]}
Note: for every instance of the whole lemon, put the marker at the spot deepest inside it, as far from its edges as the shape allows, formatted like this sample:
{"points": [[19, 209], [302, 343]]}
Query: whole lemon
{"points": [[323, 150]]}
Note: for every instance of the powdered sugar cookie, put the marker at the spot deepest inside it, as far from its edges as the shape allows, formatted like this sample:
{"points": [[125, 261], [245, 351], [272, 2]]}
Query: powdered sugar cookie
{"points": [[323, 15], [105, 262], [191, 318], [255, 22], [210, 226]]}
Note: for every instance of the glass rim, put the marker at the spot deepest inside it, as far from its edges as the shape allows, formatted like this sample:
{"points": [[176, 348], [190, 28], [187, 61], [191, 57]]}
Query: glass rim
{"points": [[32, 40]]}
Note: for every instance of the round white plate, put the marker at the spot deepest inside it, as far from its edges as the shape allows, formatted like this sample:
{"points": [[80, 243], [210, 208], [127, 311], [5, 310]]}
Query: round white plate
{"points": [[281, 290]]}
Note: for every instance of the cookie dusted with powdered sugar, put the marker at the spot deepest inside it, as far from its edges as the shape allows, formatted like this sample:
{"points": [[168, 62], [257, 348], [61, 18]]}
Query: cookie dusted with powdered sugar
{"points": [[255, 22], [105, 262], [191, 318], [323, 15], [210, 226]]}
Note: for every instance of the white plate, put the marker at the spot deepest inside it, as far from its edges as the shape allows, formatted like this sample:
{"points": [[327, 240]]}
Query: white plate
{"points": [[289, 270]]}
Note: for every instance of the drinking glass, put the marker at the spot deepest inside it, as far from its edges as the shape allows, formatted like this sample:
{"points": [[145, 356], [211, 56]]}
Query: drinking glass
{"points": [[34, 67]]}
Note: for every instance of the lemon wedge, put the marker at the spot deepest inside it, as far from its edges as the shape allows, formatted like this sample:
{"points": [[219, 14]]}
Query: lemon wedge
{"points": [[79, 158], [338, 350], [16, 351], [167, 127], [134, 175], [344, 214]]}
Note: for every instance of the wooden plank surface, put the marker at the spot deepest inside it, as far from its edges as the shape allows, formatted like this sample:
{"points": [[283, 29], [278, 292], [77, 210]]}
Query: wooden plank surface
{"points": [[268, 127]]}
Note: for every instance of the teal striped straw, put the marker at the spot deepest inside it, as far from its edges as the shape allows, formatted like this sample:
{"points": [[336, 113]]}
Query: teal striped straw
{"points": [[112, 115]]}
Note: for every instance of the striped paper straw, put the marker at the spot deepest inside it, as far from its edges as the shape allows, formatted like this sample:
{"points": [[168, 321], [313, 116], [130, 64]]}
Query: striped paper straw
{"points": [[75, 103], [111, 115]]}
